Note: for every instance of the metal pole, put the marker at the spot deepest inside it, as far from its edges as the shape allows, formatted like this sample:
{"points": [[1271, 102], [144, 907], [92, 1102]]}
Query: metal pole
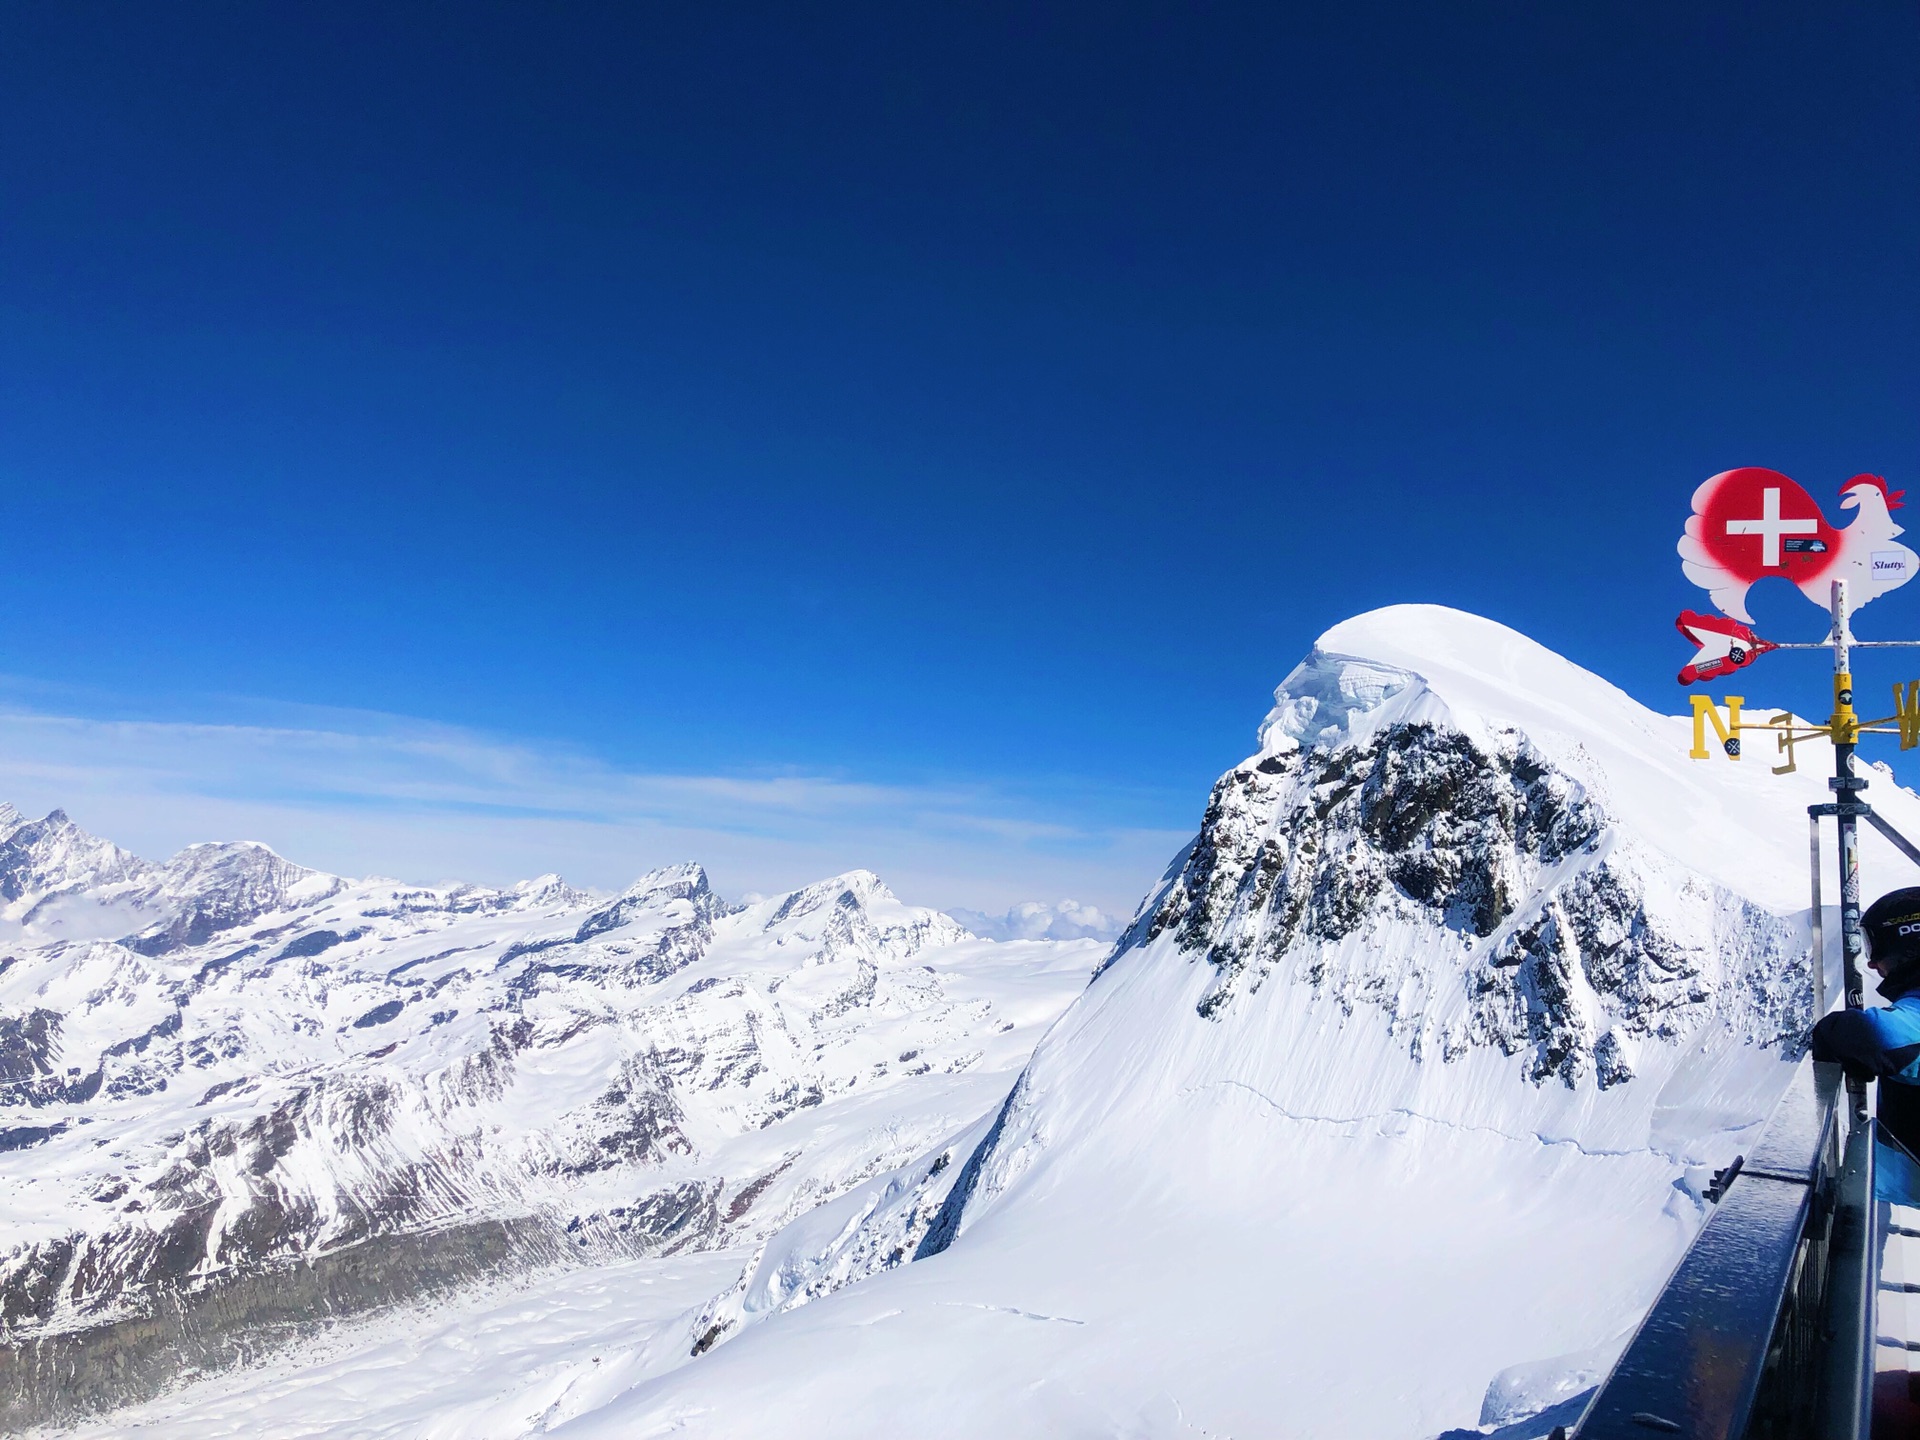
{"points": [[1820, 1001], [1851, 943], [1847, 787]]}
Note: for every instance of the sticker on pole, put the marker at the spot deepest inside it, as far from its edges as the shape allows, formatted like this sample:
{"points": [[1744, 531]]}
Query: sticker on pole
{"points": [[1750, 523]]}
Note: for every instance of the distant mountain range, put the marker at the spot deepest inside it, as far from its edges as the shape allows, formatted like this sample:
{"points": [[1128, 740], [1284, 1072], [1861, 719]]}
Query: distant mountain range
{"points": [[235, 1092]]}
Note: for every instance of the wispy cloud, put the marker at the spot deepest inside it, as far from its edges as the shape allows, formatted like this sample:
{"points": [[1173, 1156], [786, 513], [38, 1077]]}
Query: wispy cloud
{"points": [[360, 794], [1040, 920]]}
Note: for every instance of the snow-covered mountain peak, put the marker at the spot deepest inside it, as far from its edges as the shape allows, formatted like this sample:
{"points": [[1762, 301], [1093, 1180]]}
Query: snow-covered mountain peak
{"points": [[40, 857], [1451, 825], [856, 887], [864, 883], [546, 890], [235, 868], [1427, 665], [1412, 663], [854, 911], [215, 887], [669, 882]]}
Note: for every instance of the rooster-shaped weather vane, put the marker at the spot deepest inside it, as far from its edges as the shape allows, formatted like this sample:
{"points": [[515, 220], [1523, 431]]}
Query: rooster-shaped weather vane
{"points": [[1749, 524]]}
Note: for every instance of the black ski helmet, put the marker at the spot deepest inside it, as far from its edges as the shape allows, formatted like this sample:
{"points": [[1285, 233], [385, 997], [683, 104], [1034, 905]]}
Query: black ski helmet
{"points": [[1892, 928]]}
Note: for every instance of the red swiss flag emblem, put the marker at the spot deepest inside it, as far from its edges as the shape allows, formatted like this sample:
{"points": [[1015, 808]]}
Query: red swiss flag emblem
{"points": [[1758, 522]]}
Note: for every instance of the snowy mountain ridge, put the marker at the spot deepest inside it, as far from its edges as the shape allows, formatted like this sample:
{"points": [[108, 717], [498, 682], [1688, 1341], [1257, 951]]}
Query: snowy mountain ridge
{"points": [[1467, 983], [1579, 939], [226, 1078]]}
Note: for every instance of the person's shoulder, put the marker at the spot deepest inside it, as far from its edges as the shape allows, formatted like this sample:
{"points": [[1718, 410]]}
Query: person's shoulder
{"points": [[1900, 1019]]}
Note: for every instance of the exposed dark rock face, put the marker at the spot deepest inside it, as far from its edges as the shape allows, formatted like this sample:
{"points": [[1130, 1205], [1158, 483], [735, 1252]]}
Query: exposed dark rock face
{"points": [[1304, 852], [686, 1217], [944, 1225], [380, 1014], [30, 1073], [636, 1121], [28, 1046], [314, 942], [1313, 845], [19, 1137]]}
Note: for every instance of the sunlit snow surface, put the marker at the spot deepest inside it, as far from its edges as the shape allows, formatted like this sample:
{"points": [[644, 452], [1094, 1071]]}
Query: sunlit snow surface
{"points": [[1278, 1221], [1376, 1189], [498, 1361], [271, 1072], [516, 1356]]}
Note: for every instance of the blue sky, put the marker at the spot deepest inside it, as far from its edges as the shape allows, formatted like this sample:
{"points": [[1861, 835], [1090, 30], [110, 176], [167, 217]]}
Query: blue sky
{"points": [[968, 412]]}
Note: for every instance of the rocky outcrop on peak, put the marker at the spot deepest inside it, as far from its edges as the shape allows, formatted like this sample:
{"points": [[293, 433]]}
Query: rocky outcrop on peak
{"points": [[218, 887], [1571, 950], [52, 854], [1312, 844]]}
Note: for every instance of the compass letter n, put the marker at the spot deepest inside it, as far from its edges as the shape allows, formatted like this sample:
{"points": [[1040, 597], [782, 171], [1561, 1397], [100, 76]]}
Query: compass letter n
{"points": [[1705, 711]]}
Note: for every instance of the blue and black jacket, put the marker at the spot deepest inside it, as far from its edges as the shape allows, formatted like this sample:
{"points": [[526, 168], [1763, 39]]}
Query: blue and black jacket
{"points": [[1883, 1045]]}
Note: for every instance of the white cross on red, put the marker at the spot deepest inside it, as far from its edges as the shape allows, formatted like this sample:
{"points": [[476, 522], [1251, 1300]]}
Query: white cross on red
{"points": [[1770, 527]]}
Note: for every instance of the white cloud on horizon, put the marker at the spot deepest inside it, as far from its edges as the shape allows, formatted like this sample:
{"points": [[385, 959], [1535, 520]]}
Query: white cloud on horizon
{"points": [[1038, 920], [366, 794]]}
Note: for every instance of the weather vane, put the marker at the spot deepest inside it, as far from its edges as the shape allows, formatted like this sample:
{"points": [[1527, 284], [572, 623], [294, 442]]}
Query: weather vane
{"points": [[1747, 525]]}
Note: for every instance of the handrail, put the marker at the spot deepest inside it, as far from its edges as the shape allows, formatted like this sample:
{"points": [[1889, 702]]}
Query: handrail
{"points": [[1736, 1345], [1846, 1377]]}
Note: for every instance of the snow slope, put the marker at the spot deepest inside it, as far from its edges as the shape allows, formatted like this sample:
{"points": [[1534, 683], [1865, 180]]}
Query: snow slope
{"points": [[499, 1359], [1389, 1114], [237, 1095]]}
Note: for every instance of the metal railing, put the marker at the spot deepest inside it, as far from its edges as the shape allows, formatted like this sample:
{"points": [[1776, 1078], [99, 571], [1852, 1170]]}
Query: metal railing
{"points": [[1765, 1330]]}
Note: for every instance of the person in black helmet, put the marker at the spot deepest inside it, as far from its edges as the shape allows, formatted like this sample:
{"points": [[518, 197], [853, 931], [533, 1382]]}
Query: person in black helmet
{"points": [[1884, 1045]]}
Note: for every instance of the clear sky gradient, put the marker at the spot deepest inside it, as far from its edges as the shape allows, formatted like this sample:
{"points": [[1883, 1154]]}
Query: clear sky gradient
{"points": [[968, 412]]}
